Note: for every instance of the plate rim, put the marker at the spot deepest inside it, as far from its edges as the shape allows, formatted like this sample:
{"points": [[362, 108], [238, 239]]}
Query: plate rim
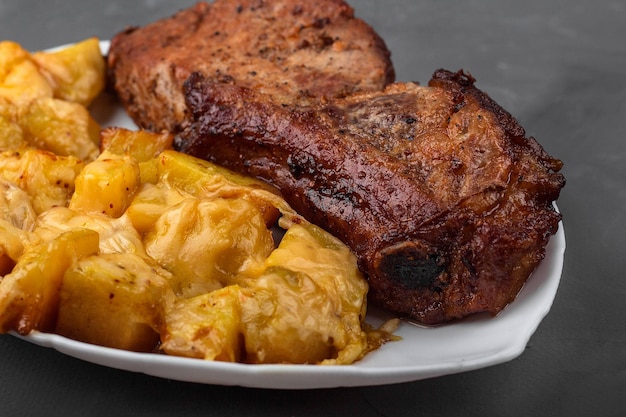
{"points": [[362, 373]]}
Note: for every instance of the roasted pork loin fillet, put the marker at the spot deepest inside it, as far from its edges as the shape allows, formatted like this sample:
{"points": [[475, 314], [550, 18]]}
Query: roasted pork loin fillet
{"points": [[288, 49], [445, 201]]}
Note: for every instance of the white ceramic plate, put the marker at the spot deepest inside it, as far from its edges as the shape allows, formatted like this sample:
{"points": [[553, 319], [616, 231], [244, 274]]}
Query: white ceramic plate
{"points": [[469, 344]]}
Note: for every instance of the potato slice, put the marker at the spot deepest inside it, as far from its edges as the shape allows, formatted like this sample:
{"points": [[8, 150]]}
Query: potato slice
{"points": [[29, 295], [114, 300], [205, 327], [76, 72]]}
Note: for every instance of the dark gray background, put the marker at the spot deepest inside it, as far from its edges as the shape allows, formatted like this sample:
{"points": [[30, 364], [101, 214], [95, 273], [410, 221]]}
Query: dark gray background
{"points": [[560, 68]]}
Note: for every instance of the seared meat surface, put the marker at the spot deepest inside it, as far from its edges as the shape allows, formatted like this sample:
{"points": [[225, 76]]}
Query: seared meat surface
{"points": [[445, 201], [438, 191], [291, 50]]}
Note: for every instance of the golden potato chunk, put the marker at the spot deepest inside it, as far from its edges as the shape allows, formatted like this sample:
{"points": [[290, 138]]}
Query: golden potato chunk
{"points": [[43, 98], [150, 202], [20, 79], [76, 72], [11, 134], [205, 244], [29, 295], [308, 249], [48, 179], [295, 311], [116, 235], [205, 326], [62, 127], [141, 145], [114, 300], [106, 185]]}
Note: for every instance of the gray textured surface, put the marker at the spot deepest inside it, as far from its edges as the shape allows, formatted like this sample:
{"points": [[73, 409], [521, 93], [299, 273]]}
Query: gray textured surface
{"points": [[560, 68]]}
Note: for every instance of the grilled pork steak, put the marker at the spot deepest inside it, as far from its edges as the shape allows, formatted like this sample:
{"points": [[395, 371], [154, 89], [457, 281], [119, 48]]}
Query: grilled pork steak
{"points": [[291, 50], [437, 189], [445, 201]]}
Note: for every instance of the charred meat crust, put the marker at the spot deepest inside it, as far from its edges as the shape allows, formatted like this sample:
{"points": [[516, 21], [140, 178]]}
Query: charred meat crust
{"points": [[446, 203]]}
